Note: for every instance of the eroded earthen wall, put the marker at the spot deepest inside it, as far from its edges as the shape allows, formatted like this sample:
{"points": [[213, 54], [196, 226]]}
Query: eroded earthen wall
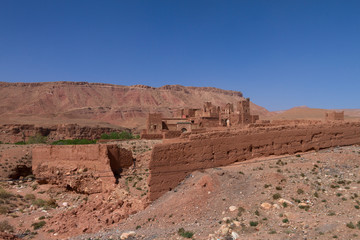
{"points": [[170, 163], [82, 168]]}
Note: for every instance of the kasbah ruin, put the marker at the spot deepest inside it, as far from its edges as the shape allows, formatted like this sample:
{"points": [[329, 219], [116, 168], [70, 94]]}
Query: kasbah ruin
{"points": [[214, 172]]}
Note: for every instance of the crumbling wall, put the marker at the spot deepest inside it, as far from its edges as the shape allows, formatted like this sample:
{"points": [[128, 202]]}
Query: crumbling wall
{"points": [[82, 168], [171, 162], [334, 116]]}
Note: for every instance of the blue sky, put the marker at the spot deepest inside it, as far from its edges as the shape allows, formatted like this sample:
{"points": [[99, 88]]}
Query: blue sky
{"points": [[281, 54]]}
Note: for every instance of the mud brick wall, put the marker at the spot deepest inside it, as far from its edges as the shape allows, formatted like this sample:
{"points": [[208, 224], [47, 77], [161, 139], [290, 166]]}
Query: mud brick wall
{"points": [[172, 162], [82, 168]]}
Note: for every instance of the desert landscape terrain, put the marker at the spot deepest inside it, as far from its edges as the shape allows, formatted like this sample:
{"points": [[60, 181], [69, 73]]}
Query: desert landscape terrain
{"points": [[75, 166]]}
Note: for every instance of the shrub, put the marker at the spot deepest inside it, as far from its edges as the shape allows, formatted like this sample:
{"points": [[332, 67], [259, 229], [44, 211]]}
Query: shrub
{"points": [[241, 210], [34, 186], [39, 202], [38, 138], [350, 225], [51, 203], [4, 194], [20, 143], [276, 196], [253, 224], [185, 234], [5, 226], [119, 135], [3, 209], [38, 225], [73, 142], [300, 191]]}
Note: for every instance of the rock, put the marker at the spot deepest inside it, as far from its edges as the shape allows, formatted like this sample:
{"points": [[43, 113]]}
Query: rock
{"points": [[126, 235], [282, 200], [302, 205], [226, 219], [232, 208], [266, 206], [234, 235], [237, 223], [65, 204], [224, 229], [276, 206], [212, 237]]}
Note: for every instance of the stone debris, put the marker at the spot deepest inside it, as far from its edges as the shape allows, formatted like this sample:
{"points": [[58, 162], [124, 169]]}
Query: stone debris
{"points": [[232, 208], [266, 206], [127, 235]]}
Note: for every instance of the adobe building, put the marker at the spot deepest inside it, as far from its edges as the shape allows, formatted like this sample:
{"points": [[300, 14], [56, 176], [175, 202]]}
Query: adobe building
{"points": [[240, 118], [334, 116], [198, 120]]}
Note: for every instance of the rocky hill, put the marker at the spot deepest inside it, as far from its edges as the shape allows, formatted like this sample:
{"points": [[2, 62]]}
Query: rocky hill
{"points": [[102, 104], [304, 112]]}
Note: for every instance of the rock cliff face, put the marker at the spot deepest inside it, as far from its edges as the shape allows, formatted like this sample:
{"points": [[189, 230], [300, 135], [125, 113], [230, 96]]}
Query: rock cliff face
{"points": [[171, 162], [94, 103]]}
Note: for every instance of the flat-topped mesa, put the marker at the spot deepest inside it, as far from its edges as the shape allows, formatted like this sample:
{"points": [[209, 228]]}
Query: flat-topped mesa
{"points": [[198, 120], [92, 168]]}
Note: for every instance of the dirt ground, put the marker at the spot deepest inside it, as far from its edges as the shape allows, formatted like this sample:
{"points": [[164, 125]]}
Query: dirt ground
{"points": [[30, 210], [312, 195]]}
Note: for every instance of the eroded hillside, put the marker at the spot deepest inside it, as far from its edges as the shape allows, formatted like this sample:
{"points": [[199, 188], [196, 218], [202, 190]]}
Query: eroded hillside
{"points": [[95, 103]]}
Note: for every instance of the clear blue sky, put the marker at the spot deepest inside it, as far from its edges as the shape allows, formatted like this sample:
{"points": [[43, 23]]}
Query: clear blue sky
{"points": [[281, 54]]}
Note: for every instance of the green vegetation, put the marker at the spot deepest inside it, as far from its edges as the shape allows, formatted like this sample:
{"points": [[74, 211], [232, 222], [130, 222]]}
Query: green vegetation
{"points": [[276, 196], [5, 226], [38, 225], [73, 142], [185, 234], [20, 143], [350, 225], [38, 138], [119, 135], [285, 220], [51, 203], [253, 224], [241, 210], [4, 194], [3, 210]]}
